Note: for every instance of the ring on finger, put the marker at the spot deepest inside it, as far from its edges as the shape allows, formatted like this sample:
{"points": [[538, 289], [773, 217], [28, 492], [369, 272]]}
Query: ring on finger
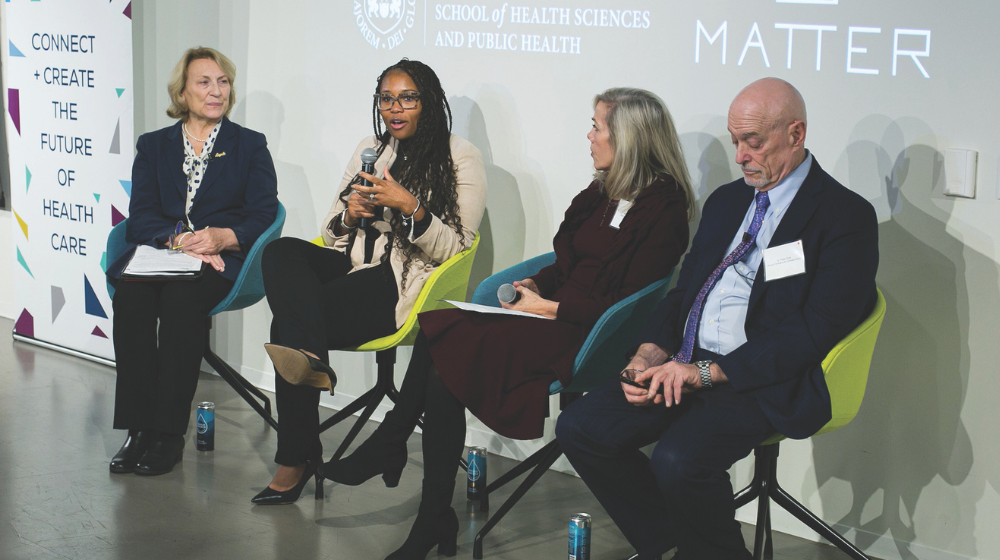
{"points": [[371, 196]]}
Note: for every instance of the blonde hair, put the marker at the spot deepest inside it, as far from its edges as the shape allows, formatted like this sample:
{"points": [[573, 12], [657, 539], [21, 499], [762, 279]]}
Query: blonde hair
{"points": [[178, 79], [645, 143]]}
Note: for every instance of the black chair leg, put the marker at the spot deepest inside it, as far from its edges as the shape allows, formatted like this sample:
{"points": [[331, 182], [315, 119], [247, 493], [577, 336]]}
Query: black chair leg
{"points": [[765, 487], [243, 388], [541, 460], [384, 386], [791, 505]]}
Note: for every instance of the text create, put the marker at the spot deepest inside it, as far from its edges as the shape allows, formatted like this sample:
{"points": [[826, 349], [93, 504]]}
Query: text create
{"points": [[69, 77]]}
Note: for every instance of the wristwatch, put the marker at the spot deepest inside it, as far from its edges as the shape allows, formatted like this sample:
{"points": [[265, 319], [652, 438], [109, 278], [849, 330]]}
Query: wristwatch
{"points": [[706, 374]]}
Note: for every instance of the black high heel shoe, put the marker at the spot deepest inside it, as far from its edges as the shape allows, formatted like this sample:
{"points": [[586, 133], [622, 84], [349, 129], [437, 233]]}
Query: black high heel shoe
{"points": [[136, 443], [299, 368], [373, 457], [428, 531], [271, 497]]}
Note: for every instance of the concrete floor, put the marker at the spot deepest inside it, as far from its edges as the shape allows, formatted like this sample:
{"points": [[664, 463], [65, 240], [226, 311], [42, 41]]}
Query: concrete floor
{"points": [[58, 500]]}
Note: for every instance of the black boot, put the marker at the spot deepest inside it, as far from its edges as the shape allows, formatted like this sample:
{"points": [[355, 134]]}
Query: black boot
{"points": [[135, 445], [164, 452], [383, 453], [443, 441]]}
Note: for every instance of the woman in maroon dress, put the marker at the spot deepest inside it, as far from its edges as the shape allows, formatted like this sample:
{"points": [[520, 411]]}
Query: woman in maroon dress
{"points": [[627, 229]]}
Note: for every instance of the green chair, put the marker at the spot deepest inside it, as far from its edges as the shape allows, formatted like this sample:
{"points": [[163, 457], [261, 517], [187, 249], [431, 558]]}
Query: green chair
{"points": [[599, 359], [846, 371], [247, 290], [449, 281]]}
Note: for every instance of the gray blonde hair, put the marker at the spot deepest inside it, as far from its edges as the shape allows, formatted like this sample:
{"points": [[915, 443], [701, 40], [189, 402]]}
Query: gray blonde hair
{"points": [[178, 79], [645, 143]]}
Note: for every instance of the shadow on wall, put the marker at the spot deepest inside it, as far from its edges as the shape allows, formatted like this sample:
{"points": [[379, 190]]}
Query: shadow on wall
{"points": [[301, 219], [502, 231], [709, 164], [909, 430]]}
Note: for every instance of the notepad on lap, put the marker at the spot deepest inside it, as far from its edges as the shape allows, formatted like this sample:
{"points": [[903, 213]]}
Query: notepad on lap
{"points": [[152, 263]]}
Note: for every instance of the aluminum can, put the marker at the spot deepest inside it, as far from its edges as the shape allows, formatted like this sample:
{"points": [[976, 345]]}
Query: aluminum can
{"points": [[579, 537], [205, 419], [476, 487]]}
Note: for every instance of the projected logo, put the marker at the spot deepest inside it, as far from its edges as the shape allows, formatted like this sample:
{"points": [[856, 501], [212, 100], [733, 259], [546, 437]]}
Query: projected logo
{"points": [[384, 23]]}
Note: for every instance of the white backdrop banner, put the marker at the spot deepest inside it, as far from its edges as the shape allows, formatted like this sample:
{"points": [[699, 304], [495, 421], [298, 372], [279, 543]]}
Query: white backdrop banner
{"points": [[69, 105]]}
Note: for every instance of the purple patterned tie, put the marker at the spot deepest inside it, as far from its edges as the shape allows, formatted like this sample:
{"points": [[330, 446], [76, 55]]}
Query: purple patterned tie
{"points": [[694, 318]]}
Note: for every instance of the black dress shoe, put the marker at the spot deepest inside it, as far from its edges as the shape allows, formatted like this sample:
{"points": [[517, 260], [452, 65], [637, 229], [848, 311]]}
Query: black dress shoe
{"points": [[271, 497], [135, 445], [164, 452]]}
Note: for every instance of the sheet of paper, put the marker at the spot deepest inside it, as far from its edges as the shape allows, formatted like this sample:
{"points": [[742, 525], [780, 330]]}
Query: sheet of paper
{"points": [[149, 261], [487, 309]]}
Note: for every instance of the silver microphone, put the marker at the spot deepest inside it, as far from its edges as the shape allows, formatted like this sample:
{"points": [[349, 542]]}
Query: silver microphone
{"points": [[507, 293]]}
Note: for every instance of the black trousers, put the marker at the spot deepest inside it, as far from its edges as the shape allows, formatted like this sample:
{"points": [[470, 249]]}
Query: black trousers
{"points": [[158, 367], [681, 495], [318, 307]]}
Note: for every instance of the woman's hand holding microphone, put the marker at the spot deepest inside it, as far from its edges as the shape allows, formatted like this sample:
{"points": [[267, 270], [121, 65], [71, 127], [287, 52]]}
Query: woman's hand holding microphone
{"points": [[383, 192]]}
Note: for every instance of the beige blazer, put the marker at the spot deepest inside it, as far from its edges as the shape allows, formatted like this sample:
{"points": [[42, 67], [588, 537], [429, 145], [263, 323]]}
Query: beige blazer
{"points": [[439, 243]]}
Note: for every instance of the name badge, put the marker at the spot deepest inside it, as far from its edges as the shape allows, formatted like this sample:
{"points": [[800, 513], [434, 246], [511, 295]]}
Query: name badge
{"points": [[623, 206], [784, 261]]}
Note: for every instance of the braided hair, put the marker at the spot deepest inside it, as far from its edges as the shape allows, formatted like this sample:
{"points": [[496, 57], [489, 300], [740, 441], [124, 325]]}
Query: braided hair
{"points": [[428, 170]]}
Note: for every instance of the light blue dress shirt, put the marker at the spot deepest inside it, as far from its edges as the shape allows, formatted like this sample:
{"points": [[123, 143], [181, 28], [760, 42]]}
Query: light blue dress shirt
{"points": [[722, 320]]}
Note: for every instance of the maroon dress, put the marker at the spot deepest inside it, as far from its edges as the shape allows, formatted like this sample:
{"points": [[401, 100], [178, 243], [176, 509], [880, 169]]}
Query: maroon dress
{"points": [[500, 366]]}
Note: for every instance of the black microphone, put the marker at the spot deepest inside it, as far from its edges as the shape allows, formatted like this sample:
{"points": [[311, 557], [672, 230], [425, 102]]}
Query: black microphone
{"points": [[507, 293], [368, 158]]}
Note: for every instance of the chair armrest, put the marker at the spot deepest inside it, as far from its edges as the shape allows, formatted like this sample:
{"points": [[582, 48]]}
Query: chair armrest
{"points": [[249, 286], [486, 292], [603, 353]]}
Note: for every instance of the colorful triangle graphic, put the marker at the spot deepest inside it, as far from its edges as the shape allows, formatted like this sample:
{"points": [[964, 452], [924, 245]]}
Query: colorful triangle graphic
{"points": [[92, 305], [24, 226], [98, 332], [116, 216], [116, 139], [58, 301], [20, 259], [27, 178], [119, 91], [14, 51], [25, 324], [127, 185], [97, 197], [14, 107], [128, 11]]}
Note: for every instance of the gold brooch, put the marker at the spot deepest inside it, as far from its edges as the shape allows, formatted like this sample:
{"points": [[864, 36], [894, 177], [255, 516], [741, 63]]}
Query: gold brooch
{"points": [[218, 155]]}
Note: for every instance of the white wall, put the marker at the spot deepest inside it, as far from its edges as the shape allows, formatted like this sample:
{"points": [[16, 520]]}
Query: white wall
{"points": [[916, 475]]}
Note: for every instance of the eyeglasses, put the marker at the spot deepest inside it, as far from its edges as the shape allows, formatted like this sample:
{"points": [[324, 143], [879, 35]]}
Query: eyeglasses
{"points": [[406, 100], [176, 240]]}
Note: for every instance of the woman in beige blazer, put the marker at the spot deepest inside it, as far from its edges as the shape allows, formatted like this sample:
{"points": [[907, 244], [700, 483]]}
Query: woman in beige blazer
{"points": [[381, 242]]}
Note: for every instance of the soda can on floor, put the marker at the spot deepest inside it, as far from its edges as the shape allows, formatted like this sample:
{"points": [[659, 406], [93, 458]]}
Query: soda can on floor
{"points": [[205, 419], [477, 473], [579, 537]]}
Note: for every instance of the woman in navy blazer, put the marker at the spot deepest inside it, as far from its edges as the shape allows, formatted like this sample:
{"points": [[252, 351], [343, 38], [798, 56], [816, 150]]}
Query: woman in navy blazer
{"points": [[207, 186]]}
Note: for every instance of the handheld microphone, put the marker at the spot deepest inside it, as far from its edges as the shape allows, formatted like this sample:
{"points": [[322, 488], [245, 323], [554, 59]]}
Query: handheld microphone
{"points": [[507, 293], [368, 157]]}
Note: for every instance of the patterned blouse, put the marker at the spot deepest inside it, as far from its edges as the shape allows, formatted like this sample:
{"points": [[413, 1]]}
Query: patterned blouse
{"points": [[195, 167]]}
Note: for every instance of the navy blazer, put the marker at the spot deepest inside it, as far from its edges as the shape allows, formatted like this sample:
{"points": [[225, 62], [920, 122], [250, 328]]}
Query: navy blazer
{"points": [[239, 191], [792, 323]]}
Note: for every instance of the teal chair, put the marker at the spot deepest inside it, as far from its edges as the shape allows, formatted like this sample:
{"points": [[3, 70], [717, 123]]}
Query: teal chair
{"points": [[247, 290], [600, 359], [845, 370]]}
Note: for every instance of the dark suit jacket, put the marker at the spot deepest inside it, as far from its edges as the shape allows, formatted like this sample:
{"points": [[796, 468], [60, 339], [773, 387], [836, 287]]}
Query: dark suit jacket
{"points": [[239, 191], [792, 323]]}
